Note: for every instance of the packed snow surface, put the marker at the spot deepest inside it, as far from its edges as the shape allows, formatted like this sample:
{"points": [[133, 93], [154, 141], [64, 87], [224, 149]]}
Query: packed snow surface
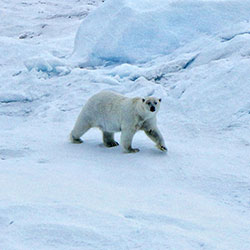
{"points": [[195, 55]]}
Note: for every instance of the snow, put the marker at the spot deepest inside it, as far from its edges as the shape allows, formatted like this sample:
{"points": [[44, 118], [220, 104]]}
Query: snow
{"points": [[58, 195], [49, 65], [136, 32]]}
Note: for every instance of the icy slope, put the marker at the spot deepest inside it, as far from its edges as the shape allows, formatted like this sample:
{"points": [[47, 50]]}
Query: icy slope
{"points": [[57, 195], [126, 31]]}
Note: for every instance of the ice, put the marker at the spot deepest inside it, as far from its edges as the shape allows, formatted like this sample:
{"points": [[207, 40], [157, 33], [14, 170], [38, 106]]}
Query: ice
{"points": [[13, 97], [51, 66], [137, 32]]}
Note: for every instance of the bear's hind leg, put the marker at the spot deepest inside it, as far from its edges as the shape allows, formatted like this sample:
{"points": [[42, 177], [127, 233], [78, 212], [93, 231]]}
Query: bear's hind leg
{"points": [[108, 139], [80, 128], [75, 140]]}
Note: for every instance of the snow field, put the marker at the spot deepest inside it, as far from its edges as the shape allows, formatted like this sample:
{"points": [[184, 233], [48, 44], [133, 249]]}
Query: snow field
{"points": [[57, 195]]}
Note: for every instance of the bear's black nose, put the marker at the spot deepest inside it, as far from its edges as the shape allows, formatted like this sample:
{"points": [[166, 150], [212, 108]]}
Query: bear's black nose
{"points": [[152, 109]]}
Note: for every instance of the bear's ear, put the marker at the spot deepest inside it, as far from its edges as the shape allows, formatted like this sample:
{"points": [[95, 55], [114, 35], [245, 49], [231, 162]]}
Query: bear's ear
{"points": [[160, 100], [143, 100]]}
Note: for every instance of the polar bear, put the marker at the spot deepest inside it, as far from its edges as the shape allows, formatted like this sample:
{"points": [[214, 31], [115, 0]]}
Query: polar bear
{"points": [[112, 112]]}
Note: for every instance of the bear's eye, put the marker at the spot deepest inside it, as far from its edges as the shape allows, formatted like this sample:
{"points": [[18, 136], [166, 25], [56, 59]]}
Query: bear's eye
{"points": [[149, 103], [155, 103]]}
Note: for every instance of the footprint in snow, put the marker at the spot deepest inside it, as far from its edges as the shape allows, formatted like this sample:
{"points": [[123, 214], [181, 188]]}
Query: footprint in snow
{"points": [[12, 153]]}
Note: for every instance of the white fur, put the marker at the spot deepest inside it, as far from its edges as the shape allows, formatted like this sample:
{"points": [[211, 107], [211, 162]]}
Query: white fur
{"points": [[112, 112]]}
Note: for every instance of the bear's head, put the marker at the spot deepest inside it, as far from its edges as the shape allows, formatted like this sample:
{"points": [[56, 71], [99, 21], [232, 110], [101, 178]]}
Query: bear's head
{"points": [[151, 104]]}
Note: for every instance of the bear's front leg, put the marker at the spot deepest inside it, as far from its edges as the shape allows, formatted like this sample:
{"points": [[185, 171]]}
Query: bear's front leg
{"points": [[126, 140], [155, 136]]}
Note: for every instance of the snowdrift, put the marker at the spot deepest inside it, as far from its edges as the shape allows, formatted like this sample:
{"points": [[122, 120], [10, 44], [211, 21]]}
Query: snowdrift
{"points": [[125, 31]]}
